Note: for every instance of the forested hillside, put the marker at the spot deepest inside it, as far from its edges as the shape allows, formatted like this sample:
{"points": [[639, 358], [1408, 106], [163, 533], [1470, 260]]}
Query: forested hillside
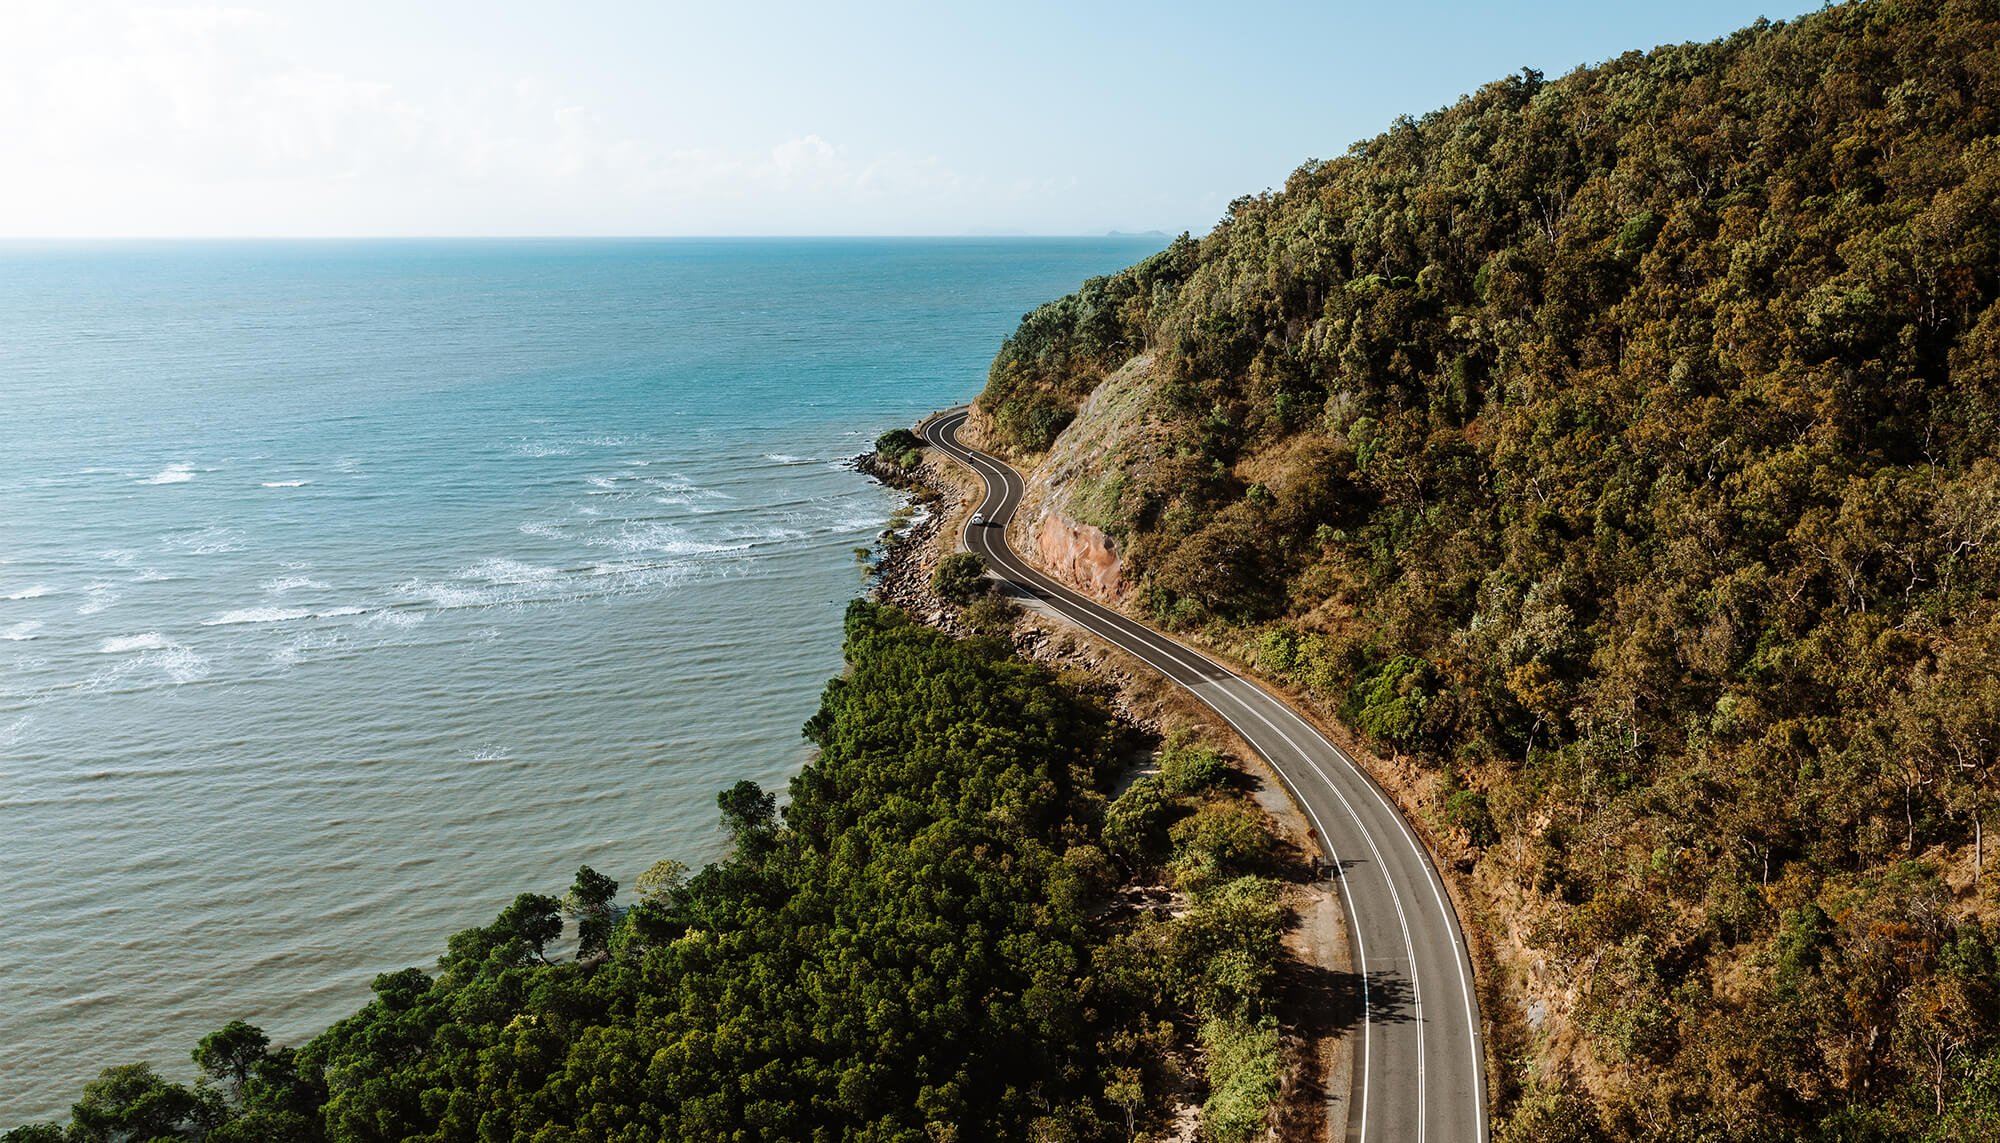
{"points": [[1625, 449], [926, 945]]}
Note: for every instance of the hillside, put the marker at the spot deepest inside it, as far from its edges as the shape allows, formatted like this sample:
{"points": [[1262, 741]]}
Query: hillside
{"points": [[1620, 454]]}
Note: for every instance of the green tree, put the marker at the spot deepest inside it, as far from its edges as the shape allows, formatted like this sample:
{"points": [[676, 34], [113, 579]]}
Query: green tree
{"points": [[131, 1102], [661, 880], [232, 1054], [589, 901], [900, 447], [959, 578]]}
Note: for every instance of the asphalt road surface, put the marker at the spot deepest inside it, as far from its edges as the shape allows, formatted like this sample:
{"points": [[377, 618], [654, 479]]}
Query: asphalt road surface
{"points": [[1419, 1068]]}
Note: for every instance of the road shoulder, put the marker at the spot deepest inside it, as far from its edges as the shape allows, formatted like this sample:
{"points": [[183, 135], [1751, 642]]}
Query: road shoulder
{"points": [[1318, 1003]]}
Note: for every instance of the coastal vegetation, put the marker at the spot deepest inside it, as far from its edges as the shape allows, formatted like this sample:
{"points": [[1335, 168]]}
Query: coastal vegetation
{"points": [[1621, 453], [900, 447], [932, 940], [960, 577]]}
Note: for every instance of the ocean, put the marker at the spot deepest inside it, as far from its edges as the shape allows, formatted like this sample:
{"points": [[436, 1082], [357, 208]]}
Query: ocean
{"points": [[348, 589]]}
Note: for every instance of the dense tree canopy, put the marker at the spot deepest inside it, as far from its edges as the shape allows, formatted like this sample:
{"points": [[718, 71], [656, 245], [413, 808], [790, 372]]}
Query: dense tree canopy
{"points": [[925, 944], [1626, 448]]}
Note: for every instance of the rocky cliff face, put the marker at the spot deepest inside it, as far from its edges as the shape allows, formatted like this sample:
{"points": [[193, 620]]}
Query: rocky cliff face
{"points": [[1081, 555], [1073, 512]]}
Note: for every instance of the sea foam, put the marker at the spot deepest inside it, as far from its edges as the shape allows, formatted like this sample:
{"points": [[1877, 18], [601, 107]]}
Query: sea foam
{"points": [[178, 473], [285, 583], [96, 598], [126, 644], [279, 615], [258, 615], [210, 541], [664, 540], [502, 570]]}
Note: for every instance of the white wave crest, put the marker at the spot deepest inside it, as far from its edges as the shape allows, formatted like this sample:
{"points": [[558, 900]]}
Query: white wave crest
{"points": [[539, 449], [178, 473], [258, 615], [172, 662], [446, 595], [288, 655], [493, 582], [542, 528], [96, 598], [12, 733], [681, 486], [286, 483], [285, 583], [182, 665], [279, 615], [210, 541], [502, 570], [401, 619], [787, 458], [21, 632], [36, 592], [656, 539]]}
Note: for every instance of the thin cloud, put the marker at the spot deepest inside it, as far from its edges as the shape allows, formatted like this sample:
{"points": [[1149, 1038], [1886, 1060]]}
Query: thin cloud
{"points": [[199, 118]]}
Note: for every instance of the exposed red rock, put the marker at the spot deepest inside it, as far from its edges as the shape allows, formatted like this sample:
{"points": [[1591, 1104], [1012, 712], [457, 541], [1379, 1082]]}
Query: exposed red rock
{"points": [[1081, 556]]}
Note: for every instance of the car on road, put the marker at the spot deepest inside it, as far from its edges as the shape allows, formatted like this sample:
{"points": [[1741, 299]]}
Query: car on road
{"points": [[979, 519]]}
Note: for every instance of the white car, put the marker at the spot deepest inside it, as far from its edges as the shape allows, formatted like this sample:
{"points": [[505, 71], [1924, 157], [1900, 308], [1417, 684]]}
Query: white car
{"points": [[979, 519]]}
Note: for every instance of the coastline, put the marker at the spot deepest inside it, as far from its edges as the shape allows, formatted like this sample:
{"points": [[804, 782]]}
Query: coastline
{"points": [[1314, 1010]]}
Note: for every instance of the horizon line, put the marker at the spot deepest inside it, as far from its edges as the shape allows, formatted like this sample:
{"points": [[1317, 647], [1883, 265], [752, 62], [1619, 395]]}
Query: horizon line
{"points": [[566, 237]]}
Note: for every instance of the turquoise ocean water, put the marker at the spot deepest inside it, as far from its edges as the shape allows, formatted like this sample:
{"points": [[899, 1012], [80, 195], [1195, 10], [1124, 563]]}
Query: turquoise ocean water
{"points": [[348, 589]]}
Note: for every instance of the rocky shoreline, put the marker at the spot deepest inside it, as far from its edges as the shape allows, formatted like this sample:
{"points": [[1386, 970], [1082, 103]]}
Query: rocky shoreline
{"points": [[902, 577], [1147, 703]]}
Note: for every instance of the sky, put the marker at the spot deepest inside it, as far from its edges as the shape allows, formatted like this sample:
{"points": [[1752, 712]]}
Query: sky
{"points": [[624, 117]]}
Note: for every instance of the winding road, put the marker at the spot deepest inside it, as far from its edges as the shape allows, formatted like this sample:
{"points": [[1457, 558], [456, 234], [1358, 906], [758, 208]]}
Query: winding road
{"points": [[1419, 1067]]}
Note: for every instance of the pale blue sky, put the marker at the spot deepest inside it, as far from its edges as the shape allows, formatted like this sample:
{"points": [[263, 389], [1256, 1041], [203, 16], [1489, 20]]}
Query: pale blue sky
{"points": [[367, 117]]}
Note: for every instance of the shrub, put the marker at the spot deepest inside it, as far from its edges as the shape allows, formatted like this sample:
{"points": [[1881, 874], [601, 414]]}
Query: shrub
{"points": [[1186, 768], [1135, 824], [900, 447], [991, 613], [1242, 1078], [1389, 702], [959, 578], [1224, 836]]}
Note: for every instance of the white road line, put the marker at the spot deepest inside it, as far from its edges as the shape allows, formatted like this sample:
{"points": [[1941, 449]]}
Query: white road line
{"points": [[1172, 650]]}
